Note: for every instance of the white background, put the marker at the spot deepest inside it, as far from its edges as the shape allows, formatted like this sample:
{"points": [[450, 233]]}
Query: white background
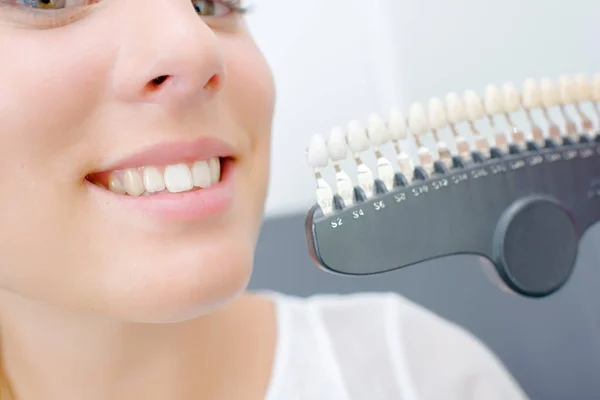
{"points": [[337, 60]]}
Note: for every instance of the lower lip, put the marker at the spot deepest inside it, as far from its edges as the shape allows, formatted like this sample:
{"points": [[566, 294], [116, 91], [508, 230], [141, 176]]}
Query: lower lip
{"points": [[185, 206]]}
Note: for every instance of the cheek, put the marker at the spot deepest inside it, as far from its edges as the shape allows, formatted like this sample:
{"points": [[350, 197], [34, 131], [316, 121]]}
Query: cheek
{"points": [[47, 94], [251, 89], [251, 95]]}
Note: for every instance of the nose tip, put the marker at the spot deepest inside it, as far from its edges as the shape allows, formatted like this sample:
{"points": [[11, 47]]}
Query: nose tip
{"points": [[172, 81], [178, 62]]}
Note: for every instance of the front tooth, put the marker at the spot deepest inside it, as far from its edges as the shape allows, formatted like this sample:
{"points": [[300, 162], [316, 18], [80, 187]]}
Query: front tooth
{"points": [[178, 178], [215, 169], [153, 180], [133, 183], [201, 174], [115, 185]]}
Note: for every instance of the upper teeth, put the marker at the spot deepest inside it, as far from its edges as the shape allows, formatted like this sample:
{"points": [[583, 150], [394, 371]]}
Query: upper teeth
{"points": [[174, 178], [178, 178]]}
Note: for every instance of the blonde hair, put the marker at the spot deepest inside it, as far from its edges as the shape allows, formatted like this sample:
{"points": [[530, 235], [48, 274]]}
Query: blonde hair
{"points": [[5, 390]]}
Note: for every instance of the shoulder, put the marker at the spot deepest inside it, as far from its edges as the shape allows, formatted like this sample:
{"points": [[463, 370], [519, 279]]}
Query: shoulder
{"points": [[435, 355]]}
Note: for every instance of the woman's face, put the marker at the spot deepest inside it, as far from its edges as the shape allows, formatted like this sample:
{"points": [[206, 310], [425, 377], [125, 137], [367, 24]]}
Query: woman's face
{"points": [[113, 118]]}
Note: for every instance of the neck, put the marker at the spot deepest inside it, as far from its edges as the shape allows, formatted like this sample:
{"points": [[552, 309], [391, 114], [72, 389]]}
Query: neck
{"points": [[54, 354]]}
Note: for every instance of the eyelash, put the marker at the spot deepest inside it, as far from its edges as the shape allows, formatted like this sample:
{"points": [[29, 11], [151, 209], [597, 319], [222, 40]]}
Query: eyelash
{"points": [[55, 18]]}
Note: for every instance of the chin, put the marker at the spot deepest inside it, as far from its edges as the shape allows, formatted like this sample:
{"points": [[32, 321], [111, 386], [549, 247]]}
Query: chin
{"points": [[143, 278], [178, 285]]}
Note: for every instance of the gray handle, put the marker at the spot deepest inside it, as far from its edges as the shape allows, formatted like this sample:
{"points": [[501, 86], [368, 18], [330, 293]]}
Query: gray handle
{"points": [[524, 211]]}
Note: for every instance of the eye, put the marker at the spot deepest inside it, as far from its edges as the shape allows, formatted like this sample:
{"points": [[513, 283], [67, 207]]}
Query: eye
{"points": [[43, 4], [213, 8]]}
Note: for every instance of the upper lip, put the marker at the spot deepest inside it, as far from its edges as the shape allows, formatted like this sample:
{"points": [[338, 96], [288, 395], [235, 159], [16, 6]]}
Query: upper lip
{"points": [[168, 153]]}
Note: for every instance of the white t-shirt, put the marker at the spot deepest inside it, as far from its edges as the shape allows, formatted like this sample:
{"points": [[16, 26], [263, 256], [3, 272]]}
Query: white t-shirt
{"points": [[379, 347]]}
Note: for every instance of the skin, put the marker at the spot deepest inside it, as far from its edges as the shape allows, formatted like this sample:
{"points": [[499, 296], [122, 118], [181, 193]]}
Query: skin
{"points": [[97, 299]]}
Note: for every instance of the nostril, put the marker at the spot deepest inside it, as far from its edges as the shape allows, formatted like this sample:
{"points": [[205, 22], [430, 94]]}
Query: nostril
{"points": [[211, 86], [213, 83], [160, 80], [155, 83]]}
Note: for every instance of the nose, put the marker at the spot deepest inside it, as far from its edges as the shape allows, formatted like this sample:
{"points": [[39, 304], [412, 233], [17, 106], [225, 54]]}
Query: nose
{"points": [[166, 55]]}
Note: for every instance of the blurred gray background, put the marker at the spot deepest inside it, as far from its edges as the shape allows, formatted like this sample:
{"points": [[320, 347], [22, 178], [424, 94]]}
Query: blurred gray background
{"points": [[343, 59], [551, 346]]}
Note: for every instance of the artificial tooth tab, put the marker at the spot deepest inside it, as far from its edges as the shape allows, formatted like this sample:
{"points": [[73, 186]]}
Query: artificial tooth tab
{"points": [[567, 90], [518, 139], [501, 142], [493, 100], [324, 196], [385, 172], [358, 141], [532, 94], [426, 160], [456, 110], [437, 113], [365, 179], [316, 154], [406, 165], [178, 178], [336, 145], [596, 87], [554, 133], [538, 136], [473, 105], [512, 99], [418, 119], [550, 94], [377, 131], [463, 149], [571, 129], [483, 146], [397, 125], [345, 188], [583, 88], [444, 154]]}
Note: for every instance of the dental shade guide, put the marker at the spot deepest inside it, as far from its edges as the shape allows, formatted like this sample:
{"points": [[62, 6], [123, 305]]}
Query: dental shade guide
{"points": [[522, 202]]}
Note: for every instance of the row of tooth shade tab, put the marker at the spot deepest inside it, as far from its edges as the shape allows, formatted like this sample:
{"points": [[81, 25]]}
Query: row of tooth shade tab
{"points": [[567, 97]]}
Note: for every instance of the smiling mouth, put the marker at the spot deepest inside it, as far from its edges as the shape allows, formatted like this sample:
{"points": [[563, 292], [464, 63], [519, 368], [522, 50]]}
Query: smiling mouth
{"points": [[153, 180]]}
